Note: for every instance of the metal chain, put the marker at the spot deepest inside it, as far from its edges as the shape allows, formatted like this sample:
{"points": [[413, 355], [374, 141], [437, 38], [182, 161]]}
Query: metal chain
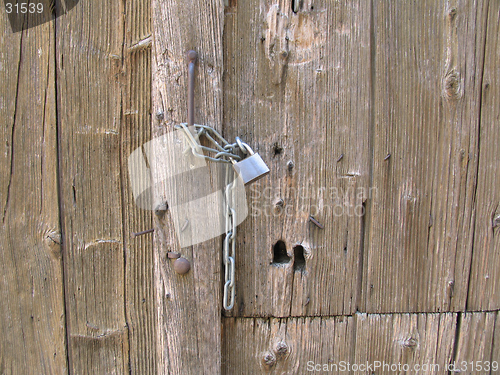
{"points": [[229, 244], [225, 153]]}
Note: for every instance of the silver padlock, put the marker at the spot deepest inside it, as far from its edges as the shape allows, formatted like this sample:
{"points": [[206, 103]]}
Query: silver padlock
{"points": [[252, 167]]}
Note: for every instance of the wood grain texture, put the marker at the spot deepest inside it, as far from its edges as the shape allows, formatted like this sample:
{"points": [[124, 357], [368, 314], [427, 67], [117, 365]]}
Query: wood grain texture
{"points": [[475, 342], [135, 131], [90, 43], [286, 346], [188, 306], [297, 89], [427, 84], [412, 339], [485, 274], [32, 320]]}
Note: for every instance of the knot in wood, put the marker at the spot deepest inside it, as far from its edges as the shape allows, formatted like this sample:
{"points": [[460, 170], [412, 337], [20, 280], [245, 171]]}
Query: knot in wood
{"points": [[452, 89], [409, 342]]}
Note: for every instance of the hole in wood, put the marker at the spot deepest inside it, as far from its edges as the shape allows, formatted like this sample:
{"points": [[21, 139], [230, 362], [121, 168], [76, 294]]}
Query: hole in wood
{"points": [[277, 149], [279, 253], [299, 261]]}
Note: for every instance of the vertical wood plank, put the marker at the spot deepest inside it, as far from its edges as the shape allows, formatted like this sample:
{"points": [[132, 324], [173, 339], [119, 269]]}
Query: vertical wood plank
{"points": [[297, 89], [485, 274], [474, 346], [188, 306], [495, 350], [406, 339], [32, 323], [90, 42], [136, 130], [427, 68]]}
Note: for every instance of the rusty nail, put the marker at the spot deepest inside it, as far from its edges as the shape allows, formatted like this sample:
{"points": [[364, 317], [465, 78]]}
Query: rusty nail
{"points": [[172, 255], [182, 266], [281, 348], [161, 209], [340, 157], [159, 115], [387, 157], [316, 222], [191, 55], [184, 226], [496, 222], [143, 232], [269, 359]]}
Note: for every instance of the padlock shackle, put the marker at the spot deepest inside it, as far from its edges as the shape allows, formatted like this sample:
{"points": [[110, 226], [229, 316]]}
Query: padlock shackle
{"points": [[245, 148]]}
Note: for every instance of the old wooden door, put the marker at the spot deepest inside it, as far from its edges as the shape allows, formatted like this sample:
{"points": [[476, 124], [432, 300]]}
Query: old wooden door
{"points": [[376, 119], [379, 119]]}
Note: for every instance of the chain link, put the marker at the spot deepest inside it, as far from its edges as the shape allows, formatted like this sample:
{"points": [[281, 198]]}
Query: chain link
{"points": [[225, 152], [229, 245]]}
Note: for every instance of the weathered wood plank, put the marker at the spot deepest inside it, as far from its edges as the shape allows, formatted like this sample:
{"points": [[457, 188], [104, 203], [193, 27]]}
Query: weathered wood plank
{"points": [[485, 273], [90, 41], [474, 346], [495, 351], [284, 346], [427, 80], [299, 345], [136, 130], [297, 89], [408, 339], [188, 306], [32, 324]]}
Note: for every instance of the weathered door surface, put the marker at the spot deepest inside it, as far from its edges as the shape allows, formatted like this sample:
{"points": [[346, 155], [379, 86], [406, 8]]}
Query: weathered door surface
{"points": [[371, 247]]}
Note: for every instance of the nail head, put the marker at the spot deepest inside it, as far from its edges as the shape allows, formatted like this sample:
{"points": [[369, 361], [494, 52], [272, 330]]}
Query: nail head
{"points": [[182, 266], [192, 55], [269, 359], [172, 255]]}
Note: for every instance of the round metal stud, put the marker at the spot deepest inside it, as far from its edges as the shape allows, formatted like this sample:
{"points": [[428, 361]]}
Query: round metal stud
{"points": [[182, 266]]}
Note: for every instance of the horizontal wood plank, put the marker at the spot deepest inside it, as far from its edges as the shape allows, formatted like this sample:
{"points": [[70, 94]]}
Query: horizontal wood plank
{"points": [[331, 344]]}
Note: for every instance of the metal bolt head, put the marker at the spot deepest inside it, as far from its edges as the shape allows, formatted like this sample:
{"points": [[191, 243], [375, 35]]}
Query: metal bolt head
{"points": [[182, 266], [192, 55], [172, 255], [269, 359], [281, 348], [161, 209], [159, 115]]}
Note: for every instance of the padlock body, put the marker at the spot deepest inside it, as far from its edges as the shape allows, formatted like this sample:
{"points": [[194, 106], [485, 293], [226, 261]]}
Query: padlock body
{"points": [[251, 168]]}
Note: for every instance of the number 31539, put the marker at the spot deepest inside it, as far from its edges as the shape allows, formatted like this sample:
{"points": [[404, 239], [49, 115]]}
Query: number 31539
{"points": [[24, 8]]}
